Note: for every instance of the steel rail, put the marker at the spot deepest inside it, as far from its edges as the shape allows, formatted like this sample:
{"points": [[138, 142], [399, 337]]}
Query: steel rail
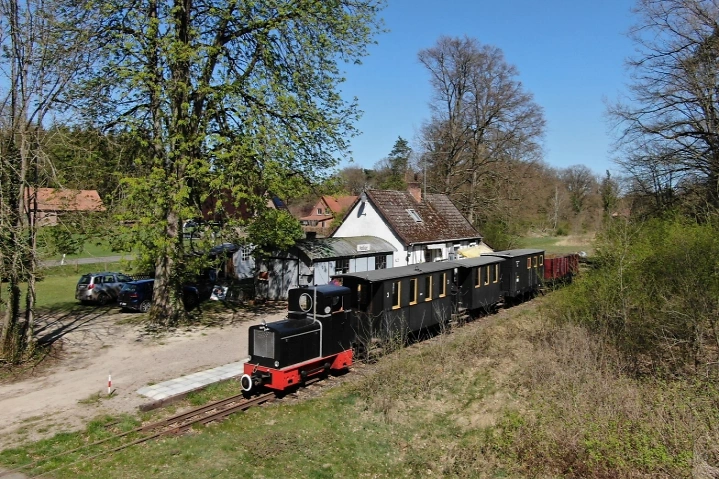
{"points": [[204, 414]]}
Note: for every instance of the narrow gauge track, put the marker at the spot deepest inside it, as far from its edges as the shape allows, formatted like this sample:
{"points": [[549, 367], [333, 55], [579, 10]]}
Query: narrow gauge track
{"points": [[177, 424]]}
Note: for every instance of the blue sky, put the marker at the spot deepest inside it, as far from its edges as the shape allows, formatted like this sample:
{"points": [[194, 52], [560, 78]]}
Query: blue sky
{"points": [[570, 55]]}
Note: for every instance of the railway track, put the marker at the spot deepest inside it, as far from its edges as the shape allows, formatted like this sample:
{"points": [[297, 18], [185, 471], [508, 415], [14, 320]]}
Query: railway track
{"points": [[177, 424]]}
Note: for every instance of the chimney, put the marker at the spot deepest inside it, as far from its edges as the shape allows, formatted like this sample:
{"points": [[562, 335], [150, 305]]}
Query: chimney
{"points": [[415, 190]]}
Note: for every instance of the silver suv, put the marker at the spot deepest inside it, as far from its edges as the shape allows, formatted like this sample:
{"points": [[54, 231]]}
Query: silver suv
{"points": [[100, 288]]}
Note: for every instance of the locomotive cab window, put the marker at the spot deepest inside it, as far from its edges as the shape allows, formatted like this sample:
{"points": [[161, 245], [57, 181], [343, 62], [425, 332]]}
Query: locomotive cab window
{"points": [[496, 273], [396, 288], [541, 260], [337, 304], [529, 262], [413, 291], [486, 275], [534, 261], [443, 286], [478, 279], [428, 288]]}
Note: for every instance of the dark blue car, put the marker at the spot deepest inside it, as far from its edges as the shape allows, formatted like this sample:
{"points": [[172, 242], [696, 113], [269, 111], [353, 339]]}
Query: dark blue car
{"points": [[137, 295]]}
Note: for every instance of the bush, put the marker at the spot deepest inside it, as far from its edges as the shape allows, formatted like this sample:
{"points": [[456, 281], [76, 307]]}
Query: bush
{"points": [[653, 293]]}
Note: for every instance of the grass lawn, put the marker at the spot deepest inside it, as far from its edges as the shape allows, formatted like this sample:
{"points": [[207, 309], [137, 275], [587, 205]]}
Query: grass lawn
{"points": [[510, 395], [90, 250], [57, 288], [559, 244]]}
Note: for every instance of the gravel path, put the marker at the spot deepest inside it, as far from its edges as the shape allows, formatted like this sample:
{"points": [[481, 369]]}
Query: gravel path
{"points": [[97, 342]]}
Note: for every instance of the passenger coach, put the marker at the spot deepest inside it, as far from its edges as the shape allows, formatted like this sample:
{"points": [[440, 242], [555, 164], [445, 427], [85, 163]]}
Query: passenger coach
{"points": [[479, 286], [522, 271], [397, 301]]}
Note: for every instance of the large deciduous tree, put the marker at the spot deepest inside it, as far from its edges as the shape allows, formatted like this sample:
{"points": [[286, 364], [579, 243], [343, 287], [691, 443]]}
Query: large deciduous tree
{"points": [[42, 49], [669, 126], [235, 100], [481, 116]]}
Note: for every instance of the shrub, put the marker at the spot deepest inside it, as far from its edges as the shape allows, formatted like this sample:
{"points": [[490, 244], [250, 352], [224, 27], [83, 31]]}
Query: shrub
{"points": [[653, 293]]}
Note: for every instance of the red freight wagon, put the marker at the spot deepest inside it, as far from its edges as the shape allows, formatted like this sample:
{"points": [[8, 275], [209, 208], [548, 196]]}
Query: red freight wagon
{"points": [[560, 267]]}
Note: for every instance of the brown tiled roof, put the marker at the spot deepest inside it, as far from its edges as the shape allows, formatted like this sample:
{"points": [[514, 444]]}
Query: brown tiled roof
{"points": [[441, 220], [341, 202], [335, 204], [53, 199]]}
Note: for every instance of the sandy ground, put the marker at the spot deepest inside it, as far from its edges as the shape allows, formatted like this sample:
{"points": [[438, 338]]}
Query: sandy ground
{"points": [[97, 342]]}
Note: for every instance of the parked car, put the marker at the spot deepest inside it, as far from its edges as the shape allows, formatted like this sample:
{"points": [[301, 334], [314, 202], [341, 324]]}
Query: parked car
{"points": [[100, 288], [137, 295]]}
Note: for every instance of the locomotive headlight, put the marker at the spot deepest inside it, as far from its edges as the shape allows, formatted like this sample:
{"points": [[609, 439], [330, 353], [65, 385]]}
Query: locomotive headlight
{"points": [[277, 364]]}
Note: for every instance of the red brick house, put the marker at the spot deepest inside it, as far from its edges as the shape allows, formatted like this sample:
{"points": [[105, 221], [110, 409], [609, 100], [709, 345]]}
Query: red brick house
{"points": [[325, 211]]}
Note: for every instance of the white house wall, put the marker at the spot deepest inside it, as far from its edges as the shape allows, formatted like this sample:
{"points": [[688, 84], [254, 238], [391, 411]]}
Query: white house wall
{"points": [[366, 220], [243, 268], [369, 222], [322, 272]]}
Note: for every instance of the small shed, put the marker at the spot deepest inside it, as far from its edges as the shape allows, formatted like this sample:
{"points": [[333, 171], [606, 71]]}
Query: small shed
{"points": [[313, 261]]}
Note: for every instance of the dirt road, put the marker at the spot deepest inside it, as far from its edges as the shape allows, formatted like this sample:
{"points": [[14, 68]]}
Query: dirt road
{"points": [[99, 342]]}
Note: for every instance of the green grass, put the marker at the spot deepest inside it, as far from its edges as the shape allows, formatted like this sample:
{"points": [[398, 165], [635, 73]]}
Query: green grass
{"points": [[558, 244], [91, 249], [56, 289], [508, 396]]}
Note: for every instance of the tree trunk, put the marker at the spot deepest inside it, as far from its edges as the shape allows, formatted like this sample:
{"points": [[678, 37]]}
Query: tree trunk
{"points": [[168, 309]]}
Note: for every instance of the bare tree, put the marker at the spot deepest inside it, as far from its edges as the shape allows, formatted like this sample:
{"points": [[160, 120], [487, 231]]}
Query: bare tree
{"points": [[669, 127], [41, 50], [580, 182], [481, 115]]}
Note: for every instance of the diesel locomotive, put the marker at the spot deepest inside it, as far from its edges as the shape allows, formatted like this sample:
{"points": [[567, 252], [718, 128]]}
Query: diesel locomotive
{"points": [[324, 323]]}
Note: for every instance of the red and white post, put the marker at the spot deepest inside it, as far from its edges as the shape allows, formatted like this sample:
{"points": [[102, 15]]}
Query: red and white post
{"points": [[109, 384]]}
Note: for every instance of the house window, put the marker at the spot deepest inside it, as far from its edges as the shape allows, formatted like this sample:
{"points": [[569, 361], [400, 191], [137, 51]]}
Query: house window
{"points": [[319, 211], [342, 266], [428, 288], [414, 215], [245, 254], [380, 262], [327, 211], [396, 289], [413, 291], [443, 286]]}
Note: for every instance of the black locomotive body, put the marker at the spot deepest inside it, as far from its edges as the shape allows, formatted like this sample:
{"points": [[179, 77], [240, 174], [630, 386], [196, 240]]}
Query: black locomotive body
{"points": [[316, 337], [325, 322]]}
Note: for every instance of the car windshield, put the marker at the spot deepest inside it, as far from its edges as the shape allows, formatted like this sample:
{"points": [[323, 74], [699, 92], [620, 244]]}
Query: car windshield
{"points": [[85, 279], [123, 279]]}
